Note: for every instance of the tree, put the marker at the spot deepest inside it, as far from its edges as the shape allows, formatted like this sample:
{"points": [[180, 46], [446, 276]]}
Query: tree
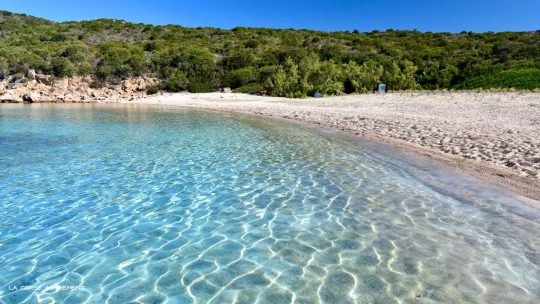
{"points": [[362, 78], [324, 77], [288, 82], [401, 76]]}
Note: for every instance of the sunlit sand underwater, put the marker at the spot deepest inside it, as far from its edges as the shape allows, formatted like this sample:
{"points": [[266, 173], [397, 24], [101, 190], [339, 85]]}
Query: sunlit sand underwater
{"points": [[127, 204]]}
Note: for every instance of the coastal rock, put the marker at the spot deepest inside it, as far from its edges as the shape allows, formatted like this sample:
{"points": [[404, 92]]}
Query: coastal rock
{"points": [[31, 75], [42, 88], [140, 84], [70, 98], [15, 85], [27, 98], [127, 86], [39, 97], [44, 79], [60, 86], [10, 97]]}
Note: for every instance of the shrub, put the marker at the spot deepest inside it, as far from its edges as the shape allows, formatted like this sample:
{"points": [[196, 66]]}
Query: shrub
{"points": [[362, 78], [85, 68], [527, 79], [324, 77], [238, 59], [150, 46], [250, 88], [96, 84], [252, 44], [58, 37], [288, 82], [200, 85], [4, 67], [177, 81], [153, 90], [240, 77], [62, 67], [103, 72], [401, 76], [75, 53]]}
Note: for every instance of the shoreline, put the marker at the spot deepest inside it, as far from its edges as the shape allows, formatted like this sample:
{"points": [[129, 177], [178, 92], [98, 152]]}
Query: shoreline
{"points": [[304, 112], [488, 118]]}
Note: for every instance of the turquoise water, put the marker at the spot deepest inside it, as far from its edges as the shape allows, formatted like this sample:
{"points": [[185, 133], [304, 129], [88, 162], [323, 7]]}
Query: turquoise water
{"points": [[125, 204]]}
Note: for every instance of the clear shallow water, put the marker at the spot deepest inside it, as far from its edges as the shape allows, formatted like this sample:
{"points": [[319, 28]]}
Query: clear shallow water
{"points": [[144, 205]]}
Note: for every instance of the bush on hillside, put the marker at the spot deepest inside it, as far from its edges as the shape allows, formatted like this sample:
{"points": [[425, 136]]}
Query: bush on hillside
{"points": [[153, 90], [250, 88], [62, 67], [527, 79], [293, 63], [240, 77], [177, 81], [200, 85]]}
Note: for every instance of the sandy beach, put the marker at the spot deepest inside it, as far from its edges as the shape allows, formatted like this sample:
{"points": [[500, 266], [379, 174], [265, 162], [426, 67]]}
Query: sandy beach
{"points": [[492, 136]]}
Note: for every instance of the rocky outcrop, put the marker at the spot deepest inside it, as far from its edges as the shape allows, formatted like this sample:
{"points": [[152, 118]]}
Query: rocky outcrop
{"points": [[43, 88], [27, 98]]}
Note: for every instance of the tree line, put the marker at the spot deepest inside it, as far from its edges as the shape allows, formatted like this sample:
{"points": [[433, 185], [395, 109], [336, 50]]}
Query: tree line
{"points": [[286, 62]]}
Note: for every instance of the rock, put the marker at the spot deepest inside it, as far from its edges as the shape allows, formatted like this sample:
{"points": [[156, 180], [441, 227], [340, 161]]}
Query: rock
{"points": [[456, 150], [41, 88], [10, 97], [73, 97], [114, 95], [536, 159], [27, 98], [31, 75], [39, 97], [226, 90], [44, 79], [511, 163], [16, 85], [140, 84], [127, 86], [61, 86]]}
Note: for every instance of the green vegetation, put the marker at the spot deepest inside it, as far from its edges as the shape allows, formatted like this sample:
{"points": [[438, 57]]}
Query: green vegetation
{"points": [[519, 78], [293, 63], [250, 88]]}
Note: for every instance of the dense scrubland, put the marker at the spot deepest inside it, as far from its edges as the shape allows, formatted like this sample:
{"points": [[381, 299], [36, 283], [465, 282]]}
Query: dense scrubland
{"points": [[286, 62]]}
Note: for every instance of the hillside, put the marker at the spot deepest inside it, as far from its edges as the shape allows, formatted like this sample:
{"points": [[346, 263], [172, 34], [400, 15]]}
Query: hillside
{"points": [[292, 63]]}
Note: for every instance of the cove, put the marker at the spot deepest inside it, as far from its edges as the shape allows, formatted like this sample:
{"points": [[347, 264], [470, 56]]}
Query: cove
{"points": [[126, 204]]}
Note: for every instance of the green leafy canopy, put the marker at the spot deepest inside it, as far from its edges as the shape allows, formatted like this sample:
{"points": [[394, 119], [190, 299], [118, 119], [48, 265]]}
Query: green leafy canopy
{"points": [[292, 63]]}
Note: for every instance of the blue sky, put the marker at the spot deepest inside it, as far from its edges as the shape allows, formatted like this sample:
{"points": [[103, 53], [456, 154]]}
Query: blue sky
{"points": [[364, 15]]}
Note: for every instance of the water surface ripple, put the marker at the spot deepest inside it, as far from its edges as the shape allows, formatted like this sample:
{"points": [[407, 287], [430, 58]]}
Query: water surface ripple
{"points": [[150, 205]]}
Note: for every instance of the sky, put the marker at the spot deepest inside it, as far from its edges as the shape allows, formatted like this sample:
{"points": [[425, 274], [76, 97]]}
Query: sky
{"points": [[337, 15]]}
